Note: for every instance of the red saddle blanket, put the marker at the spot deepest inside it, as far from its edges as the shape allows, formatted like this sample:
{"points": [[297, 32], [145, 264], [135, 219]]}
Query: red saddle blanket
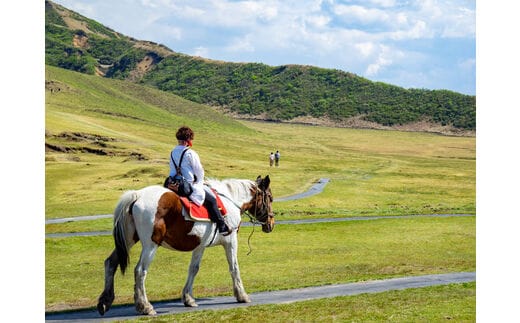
{"points": [[200, 213]]}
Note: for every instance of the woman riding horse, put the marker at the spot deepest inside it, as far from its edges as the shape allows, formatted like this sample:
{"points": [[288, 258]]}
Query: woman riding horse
{"points": [[154, 215]]}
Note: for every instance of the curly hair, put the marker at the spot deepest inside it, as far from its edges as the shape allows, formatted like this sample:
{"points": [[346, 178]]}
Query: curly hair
{"points": [[184, 133]]}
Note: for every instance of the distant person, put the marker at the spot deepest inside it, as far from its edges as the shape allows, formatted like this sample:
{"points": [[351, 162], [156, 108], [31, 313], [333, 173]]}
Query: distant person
{"points": [[277, 158], [193, 171], [271, 159]]}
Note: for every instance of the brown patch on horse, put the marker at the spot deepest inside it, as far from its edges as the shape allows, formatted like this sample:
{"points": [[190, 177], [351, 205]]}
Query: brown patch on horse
{"points": [[170, 226]]}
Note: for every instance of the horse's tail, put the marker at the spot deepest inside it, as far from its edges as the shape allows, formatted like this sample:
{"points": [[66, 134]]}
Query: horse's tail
{"points": [[122, 222]]}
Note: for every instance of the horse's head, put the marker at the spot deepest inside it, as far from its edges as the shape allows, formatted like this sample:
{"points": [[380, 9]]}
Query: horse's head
{"points": [[261, 205]]}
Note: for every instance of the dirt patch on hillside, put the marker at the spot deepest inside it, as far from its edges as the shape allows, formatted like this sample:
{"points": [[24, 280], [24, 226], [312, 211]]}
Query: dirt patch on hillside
{"points": [[83, 137], [74, 24], [55, 86], [145, 65], [99, 71], [357, 122], [80, 41], [115, 114], [79, 142]]}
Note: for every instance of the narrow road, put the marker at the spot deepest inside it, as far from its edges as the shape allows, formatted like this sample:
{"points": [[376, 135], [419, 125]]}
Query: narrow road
{"points": [[247, 224], [275, 297]]}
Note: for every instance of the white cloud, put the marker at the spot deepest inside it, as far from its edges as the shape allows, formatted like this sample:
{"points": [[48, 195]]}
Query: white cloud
{"points": [[366, 49], [242, 44], [172, 32], [460, 24], [447, 18], [79, 6], [149, 3], [384, 3], [361, 14], [319, 21], [201, 51], [468, 64], [383, 59], [417, 31]]}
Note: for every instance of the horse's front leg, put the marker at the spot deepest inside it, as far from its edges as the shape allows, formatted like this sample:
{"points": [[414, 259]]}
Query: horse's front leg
{"points": [[107, 296], [142, 305], [231, 254], [187, 291]]}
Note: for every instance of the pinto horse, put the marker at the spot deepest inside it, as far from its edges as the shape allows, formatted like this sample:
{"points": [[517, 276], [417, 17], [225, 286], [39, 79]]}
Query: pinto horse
{"points": [[154, 216]]}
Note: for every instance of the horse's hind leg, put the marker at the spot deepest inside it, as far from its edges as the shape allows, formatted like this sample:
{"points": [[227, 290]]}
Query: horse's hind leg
{"points": [[142, 305], [107, 297]]}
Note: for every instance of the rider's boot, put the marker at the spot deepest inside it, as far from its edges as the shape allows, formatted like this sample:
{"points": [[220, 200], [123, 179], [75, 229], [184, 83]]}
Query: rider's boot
{"points": [[216, 216]]}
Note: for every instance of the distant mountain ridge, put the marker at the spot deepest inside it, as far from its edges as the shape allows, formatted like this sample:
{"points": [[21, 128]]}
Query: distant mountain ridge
{"points": [[288, 93]]}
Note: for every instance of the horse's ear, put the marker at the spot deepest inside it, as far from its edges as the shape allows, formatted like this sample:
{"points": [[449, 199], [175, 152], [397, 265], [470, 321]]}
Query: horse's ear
{"points": [[266, 182]]}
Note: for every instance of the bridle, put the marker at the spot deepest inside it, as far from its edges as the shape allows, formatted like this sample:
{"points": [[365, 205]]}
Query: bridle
{"points": [[253, 217], [264, 207]]}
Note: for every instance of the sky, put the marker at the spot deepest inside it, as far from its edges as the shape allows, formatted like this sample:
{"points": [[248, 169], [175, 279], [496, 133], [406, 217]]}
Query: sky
{"points": [[427, 44]]}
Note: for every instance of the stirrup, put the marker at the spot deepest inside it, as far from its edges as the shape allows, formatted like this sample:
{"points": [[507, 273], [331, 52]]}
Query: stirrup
{"points": [[226, 232]]}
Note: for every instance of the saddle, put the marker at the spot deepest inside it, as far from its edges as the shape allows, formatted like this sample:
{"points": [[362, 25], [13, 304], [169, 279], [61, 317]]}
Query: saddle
{"points": [[194, 212]]}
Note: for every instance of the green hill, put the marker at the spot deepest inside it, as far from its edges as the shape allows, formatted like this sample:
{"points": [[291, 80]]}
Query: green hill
{"points": [[279, 93], [103, 136]]}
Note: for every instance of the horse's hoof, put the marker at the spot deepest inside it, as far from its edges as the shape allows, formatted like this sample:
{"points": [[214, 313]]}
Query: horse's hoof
{"points": [[102, 309], [189, 302], [146, 310], [244, 299], [104, 302]]}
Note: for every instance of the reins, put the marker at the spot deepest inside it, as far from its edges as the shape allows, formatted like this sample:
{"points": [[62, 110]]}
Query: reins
{"points": [[252, 218]]}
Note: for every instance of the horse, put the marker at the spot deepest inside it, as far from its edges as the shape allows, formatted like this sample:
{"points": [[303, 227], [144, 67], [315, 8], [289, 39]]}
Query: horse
{"points": [[154, 216]]}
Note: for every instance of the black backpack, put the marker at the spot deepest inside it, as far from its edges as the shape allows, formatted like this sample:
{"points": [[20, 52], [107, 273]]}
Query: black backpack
{"points": [[177, 182]]}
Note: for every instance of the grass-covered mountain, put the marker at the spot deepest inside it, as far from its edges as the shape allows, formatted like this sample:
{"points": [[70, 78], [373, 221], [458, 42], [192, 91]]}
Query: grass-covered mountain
{"points": [[289, 92]]}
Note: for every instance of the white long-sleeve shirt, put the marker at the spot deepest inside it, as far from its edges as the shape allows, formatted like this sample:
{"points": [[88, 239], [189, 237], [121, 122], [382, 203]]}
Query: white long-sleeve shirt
{"points": [[191, 167]]}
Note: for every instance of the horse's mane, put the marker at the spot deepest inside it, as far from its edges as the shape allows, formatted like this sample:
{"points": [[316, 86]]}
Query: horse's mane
{"points": [[237, 189]]}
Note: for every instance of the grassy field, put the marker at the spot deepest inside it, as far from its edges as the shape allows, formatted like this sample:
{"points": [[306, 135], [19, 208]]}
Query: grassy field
{"points": [[104, 137], [327, 253], [372, 172]]}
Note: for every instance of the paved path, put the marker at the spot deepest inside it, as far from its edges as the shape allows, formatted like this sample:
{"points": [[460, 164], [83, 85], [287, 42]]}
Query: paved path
{"points": [[247, 224], [275, 297], [315, 189]]}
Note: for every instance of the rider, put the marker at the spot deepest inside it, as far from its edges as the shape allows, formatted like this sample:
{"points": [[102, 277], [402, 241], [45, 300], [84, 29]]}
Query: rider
{"points": [[193, 171]]}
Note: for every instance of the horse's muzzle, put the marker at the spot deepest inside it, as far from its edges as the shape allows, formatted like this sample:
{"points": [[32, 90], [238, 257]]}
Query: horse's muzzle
{"points": [[269, 224]]}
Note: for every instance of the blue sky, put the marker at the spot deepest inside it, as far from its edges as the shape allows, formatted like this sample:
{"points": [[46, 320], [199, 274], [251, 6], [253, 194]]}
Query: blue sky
{"points": [[414, 44]]}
